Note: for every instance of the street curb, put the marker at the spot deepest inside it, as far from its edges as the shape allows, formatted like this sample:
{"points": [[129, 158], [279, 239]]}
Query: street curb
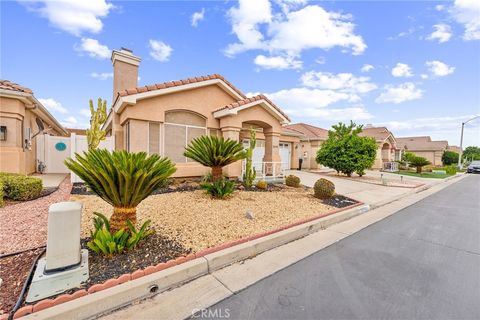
{"points": [[414, 191], [116, 293]]}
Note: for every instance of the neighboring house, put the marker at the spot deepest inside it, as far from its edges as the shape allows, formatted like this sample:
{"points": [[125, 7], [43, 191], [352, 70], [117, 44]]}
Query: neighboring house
{"points": [[21, 116], [388, 149], [311, 139], [82, 132], [164, 117], [456, 149], [424, 147]]}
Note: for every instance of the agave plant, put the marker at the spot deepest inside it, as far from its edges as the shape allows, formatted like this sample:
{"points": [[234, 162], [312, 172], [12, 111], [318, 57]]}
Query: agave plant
{"points": [[214, 152], [121, 178]]}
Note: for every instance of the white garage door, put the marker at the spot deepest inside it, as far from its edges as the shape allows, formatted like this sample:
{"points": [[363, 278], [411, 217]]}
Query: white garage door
{"points": [[285, 154]]}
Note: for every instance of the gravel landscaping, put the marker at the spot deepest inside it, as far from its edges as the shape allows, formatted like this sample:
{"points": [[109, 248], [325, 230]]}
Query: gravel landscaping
{"points": [[197, 221], [24, 225]]}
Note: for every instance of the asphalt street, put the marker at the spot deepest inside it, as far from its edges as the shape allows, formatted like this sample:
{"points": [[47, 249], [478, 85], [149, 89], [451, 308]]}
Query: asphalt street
{"points": [[421, 263]]}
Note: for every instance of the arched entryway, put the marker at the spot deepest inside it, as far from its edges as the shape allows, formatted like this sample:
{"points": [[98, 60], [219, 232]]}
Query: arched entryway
{"points": [[386, 152]]}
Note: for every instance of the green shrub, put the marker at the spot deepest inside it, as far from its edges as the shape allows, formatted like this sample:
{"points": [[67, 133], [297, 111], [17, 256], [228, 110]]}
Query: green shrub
{"points": [[449, 157], [261, 184], [19, 187], [323, 189], [219, 189], [1, 193], [103, 241], [292, 181], [419, 163]]}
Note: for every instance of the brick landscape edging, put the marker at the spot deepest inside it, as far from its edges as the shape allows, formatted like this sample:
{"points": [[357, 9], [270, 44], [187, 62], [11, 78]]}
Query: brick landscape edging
{"points": [[48, 303]]}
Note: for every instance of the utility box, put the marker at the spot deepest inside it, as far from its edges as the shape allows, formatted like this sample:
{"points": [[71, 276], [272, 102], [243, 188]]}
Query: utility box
{"points": [[63, 238], [65, 265]]}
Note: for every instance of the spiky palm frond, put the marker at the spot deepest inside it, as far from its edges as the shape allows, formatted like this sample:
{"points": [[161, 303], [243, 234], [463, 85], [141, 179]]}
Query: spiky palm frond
{"points": [[121, 178], [212, 151]]}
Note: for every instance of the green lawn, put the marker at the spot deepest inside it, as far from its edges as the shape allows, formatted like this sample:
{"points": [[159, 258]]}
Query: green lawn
{"points": [[424, 174]]}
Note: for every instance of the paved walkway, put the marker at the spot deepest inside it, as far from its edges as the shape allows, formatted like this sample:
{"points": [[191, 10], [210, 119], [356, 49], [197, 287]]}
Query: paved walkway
{"points": [[421, 263], [51, 180], [371, 194]]}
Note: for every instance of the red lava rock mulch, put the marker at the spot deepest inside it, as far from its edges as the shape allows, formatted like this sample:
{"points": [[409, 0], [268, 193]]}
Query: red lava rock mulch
{"points": [[14, 272], [24, 225]]}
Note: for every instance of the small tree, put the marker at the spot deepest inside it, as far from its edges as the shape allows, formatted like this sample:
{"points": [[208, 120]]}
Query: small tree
{"points": [[471, 153], [250, 174], [98, 117], [347, 152], [419, 163], [214, 152], [449, 157], [408, 156]]}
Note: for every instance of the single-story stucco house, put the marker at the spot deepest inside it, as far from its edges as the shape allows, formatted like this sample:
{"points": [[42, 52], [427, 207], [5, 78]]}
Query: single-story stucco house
{"points": [[311, 139], [388, 149], [423, 146], [164, 117], [21, 116]]}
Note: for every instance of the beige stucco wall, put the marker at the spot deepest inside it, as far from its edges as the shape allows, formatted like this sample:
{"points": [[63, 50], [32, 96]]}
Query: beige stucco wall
{"points": [[202, 101], [435, 157], [307, 150], [16, 117]]}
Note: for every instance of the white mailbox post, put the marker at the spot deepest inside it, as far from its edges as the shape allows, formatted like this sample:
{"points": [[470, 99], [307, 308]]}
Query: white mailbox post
{"points": [[65, 266]]}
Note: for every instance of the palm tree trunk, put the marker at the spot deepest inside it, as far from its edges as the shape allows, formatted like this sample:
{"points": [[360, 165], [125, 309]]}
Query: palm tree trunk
{"points": [[419, 169], [119, 218], [217, 174]]}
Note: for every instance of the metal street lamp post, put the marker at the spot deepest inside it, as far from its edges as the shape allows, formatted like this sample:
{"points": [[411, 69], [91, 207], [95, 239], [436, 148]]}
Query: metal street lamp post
{"points": [[460, 165]]}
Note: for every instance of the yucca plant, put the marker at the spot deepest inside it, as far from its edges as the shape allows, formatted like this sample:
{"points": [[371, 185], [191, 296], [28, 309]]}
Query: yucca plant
{"points": [[121, 178], [214, 152]]}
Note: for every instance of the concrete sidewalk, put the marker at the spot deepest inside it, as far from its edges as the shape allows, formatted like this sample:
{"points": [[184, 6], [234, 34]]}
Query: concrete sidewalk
{"points": [[372, 194], [51, 180], [194, 297]]}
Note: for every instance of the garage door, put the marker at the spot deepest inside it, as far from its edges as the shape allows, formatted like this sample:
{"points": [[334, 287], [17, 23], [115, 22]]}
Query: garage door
{"points": [[285, 154]]}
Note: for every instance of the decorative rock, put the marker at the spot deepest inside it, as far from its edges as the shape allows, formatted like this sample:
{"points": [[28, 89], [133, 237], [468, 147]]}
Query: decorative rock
{"points": [[249, 214]]}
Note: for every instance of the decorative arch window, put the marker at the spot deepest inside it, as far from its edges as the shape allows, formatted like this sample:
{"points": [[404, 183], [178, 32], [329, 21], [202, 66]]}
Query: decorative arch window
{"points": [[179, 129]]}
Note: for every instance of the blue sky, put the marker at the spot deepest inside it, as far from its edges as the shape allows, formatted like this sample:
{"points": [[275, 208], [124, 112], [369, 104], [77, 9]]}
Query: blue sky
{"points": [[413, 66]]}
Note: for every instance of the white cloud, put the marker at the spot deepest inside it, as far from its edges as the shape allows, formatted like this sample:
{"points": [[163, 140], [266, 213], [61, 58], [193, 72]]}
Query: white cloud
{"points": [[257, 27], [333, 114], [93, 48], [73, 16], [424, 76], [53, 105], [467, 13], [304, 98], [398, 94], [70, 121], [367, 68], [277, 62], [102, 76], [439, 128], [439, 69], [402, 70], [344, 82], [159, 50], [442, 33], [439, 7], [197, 17], [85, 112], [321, 60]]}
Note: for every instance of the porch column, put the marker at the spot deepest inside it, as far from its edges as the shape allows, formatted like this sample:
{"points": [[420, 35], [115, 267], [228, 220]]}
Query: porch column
{"points": [[272, 152], [117, 132], [234, 169]]}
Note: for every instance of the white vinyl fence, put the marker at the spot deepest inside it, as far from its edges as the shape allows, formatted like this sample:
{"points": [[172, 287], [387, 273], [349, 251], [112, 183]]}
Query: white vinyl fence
{"points": [[53, 150]]}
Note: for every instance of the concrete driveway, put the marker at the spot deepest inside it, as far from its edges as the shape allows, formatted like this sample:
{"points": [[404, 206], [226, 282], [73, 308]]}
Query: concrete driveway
{"points": [[372, 194]]}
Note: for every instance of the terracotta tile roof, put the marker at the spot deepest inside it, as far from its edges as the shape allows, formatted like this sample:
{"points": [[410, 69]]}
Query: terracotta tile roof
{"points": [[82, 132], [239, 103], [379, 133], [422, 144], [176, 83], [8, 85], [309, 131], [456, 149]]}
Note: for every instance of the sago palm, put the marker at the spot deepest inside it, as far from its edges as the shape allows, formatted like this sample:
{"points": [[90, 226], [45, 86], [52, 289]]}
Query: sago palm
{"points": [[121, 178], [214, 152]]}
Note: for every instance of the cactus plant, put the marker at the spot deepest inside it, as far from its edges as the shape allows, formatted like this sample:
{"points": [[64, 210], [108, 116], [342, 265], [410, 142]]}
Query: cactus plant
{"points": [[323, 189], [292, 181], [98, 117], [250, 174], [262, 184]]}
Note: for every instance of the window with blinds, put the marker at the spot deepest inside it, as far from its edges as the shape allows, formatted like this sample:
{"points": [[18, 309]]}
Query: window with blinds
{"points": [[154, 138], [179, 129]]}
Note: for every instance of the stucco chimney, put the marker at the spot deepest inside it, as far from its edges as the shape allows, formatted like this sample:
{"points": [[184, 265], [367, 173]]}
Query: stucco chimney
{"points": [[125, 70]]}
